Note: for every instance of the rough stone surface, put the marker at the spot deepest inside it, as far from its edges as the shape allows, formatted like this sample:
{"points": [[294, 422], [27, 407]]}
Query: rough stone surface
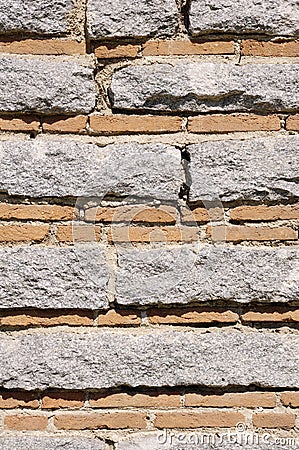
{"points": [[203, 87], [30, 85], [70, 168], [255, 169], [49, 277], [208, 273], [143, 18], [103, 359], [242, 16], [34, 16], [23, 442]]}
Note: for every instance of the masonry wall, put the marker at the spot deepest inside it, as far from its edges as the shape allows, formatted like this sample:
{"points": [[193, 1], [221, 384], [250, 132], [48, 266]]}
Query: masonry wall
{"points": [[149, 224]]}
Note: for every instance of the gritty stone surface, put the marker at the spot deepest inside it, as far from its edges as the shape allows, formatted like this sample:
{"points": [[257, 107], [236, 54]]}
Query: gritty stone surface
{"points": [[256, 169], [38, 168], [242, 16], [34, 16], [30, 85], [106, 359], [203, 87], [49, 443], [49, 277], [143, 18], [189, 273]]}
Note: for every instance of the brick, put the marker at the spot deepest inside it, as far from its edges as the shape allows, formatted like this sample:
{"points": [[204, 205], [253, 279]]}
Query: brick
{"points": [[119, 318], [192, 419], [65, 124], [23, 233], [290, 399], [123, 124], [134, 214], [153, 234], [114, 420], [106, 51], [180, 48], [265, 213], [135, 401], [190, 316], [15, 399], [221, 123], [266, 48], [238, 400], [274, 315], [46, 319], [78, 233], [43, 47], [238, 233], [45, 213], [274, 420], [201, 215], [57, 400], [30, 123], [292, 123], [25, 423]]}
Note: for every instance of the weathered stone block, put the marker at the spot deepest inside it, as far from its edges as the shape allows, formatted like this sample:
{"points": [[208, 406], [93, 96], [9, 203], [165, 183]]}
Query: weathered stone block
{"points": [[203, 87], [141, 18], [49, 87], [189, 273], [70, 168], [49, 443], [253, 169]]}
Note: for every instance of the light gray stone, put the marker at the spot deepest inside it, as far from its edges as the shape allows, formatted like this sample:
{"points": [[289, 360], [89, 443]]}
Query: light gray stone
{"points": [[106, 359], [203, 87], [53, 277], [34, 16], [256, 169], [126, 18], [189, 273], [272, 17], [49, 87], [39, 168], [23, 442]]}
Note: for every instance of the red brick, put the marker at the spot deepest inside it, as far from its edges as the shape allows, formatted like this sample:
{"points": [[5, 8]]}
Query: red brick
{"points": [[122, 124], [178, 48]]}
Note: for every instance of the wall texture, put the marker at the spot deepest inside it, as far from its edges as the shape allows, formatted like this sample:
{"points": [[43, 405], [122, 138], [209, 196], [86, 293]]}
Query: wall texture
{"points": [[149, 210]]}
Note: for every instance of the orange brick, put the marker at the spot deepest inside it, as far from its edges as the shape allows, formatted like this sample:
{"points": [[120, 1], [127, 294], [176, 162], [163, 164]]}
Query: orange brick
{"points": [[114, 420], [177, 48], [266, 48], [260, 213], [30, 123], [43, 47], [235, 233], [292, 123], [122, 124], [57, 400], [223, 123], [134, 214], [25, 423], [278, 315], [135, 400], [105, 51], [78, 233], [46, 319], [290, 399], [195, 419], [238, 400], [61, 124], [274, 420], [113, 318], [190, 316], [37, 212], [201, 215], [15, 399], [153, 234], [25, 232]]}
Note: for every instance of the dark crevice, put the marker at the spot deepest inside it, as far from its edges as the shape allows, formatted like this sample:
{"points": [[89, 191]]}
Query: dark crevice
{"points": [[185, 13]]}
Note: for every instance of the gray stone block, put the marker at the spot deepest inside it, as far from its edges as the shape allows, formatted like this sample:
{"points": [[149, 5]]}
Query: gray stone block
{"points": [[105, 359], [143, 18], [254, 169], [53, 277], [39, 168], [203, 87], [189, 273], [23, 442], [47, 87], [34, 16], [268, 17]]}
